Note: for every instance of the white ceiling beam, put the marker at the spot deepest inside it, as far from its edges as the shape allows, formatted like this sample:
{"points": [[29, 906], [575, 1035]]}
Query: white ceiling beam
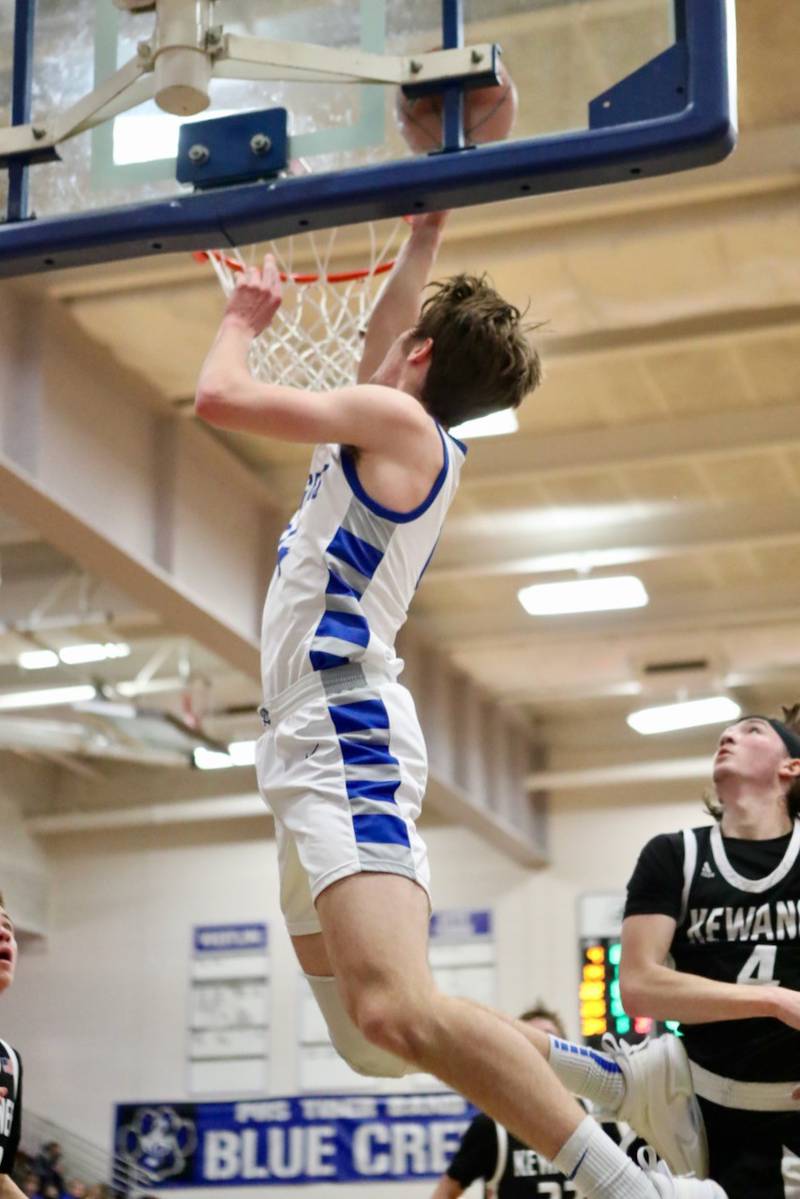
{"points": [[556, 662], [657, 771], [229, 807], [723, 325], [499, 543], [701, 436], [12, 533]]}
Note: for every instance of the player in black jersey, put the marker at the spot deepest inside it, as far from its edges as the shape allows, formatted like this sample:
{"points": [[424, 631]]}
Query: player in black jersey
{"points": [[723, 902], [10, 1070]]}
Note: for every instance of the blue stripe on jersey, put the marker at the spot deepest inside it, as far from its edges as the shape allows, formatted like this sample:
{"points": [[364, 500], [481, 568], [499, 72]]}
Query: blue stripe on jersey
{"points": [[381, 829], [359, 554], [345, 626], [337, 586], [381, 790], [322, 661], [359, 716], [364, 753]]}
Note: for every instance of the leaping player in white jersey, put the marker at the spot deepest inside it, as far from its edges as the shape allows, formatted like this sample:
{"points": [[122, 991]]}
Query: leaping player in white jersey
{"points": [[342, 760]]}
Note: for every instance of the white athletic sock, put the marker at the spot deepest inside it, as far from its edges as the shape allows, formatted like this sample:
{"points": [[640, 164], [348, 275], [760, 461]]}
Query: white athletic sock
{"points": [[598, 1168], [585, 1072]]}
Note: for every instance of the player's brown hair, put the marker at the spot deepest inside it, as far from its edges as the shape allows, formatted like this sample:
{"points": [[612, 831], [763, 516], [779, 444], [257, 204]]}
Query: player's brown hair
{"points": [[791, 718], [540, 1012], [482, 360]]}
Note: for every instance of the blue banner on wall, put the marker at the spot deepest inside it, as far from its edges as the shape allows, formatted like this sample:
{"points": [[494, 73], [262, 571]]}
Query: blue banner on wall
{"points": [[228, 938], [295, 1140], [460, 924]]}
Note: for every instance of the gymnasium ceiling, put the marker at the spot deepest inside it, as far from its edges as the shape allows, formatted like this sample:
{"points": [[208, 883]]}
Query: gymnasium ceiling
{"points": [[665, 443]]}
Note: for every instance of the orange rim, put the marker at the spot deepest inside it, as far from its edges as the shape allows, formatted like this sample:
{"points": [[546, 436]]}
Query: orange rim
{"points": [[334, 277]]}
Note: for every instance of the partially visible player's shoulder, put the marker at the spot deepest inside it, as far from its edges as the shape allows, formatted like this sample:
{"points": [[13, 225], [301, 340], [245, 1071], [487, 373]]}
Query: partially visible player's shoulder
{"points": [[664, 845]]}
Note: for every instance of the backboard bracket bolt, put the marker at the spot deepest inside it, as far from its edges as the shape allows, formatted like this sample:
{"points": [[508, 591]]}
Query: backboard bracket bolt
{"points": [[198, 154], [214, 39], [260, 143], [476, 57], [415, 66]]}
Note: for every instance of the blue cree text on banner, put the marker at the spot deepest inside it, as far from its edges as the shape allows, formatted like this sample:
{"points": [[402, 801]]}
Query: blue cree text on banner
{"points": [[229, 938], [460, 924], [296, 1140]]}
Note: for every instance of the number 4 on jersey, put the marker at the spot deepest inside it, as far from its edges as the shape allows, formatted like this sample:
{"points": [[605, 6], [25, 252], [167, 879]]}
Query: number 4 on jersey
{"points": [[760, 966]]}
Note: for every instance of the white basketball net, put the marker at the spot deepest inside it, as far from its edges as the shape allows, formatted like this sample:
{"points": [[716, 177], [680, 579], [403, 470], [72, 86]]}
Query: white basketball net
{"points": [[316, 338]]}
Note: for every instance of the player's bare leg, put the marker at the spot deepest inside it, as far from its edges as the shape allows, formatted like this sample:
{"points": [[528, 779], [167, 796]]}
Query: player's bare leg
{"points": [[375, 933], [375, 943]]}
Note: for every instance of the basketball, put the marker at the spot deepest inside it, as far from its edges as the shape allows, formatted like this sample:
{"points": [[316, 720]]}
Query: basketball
{"points": [[489, 114]]}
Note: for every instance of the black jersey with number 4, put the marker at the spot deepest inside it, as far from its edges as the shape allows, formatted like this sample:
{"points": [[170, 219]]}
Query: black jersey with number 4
{"points": [[737, 907], [10, 1106]]}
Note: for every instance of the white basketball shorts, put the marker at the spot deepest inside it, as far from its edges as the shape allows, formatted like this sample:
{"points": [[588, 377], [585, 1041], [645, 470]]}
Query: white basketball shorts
{"points": [[342, 766]]}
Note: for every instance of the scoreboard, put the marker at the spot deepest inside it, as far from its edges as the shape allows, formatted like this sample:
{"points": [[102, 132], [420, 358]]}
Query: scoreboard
{"points": [[599, 998]]}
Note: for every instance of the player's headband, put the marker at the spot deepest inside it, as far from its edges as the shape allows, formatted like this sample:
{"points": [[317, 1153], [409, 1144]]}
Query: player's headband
{"points": [[790, 739]]}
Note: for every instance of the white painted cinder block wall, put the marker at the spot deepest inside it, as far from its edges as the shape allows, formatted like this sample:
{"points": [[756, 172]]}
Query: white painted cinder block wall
{"points": [[98, 1010]]}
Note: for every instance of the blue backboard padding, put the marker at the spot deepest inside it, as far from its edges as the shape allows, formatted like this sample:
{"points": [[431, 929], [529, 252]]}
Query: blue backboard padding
{"points": [[657, 89], [702, 132]]}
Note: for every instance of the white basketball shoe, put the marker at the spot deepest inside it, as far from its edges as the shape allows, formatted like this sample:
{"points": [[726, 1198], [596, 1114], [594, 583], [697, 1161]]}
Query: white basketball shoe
{"points": [[660, 1103], [668, 1186]]}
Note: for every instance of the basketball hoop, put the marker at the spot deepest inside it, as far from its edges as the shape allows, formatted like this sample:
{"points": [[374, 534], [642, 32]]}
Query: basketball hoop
{"points": [[316, 338]]}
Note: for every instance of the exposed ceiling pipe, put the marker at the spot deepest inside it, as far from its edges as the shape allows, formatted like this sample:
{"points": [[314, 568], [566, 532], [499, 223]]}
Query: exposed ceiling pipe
{"points": [[636, 772], [228, 807]]}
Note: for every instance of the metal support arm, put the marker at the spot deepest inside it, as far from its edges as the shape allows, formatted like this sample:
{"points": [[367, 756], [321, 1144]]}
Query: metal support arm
{"points": [[244, 58], [132, 84], [319, 64]]}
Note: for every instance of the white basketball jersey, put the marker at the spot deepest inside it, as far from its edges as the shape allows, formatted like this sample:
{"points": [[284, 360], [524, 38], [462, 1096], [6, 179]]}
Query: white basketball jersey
{"points": [[347, 571]]}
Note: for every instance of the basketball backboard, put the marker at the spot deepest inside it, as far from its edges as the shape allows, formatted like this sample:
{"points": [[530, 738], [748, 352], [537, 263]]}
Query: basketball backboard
{"points": [[607, 91]]}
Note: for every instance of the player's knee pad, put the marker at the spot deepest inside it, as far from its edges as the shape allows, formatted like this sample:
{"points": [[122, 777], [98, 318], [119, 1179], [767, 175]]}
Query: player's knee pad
{"points": [[348, 1041]]}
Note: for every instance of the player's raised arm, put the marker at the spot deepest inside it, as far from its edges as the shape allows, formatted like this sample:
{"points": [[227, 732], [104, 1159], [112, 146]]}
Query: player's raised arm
{"points": [[381, 417], [651, 988], [398, 305]]}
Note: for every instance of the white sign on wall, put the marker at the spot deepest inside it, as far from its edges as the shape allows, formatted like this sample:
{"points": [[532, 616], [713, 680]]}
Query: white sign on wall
{"points": [[228, 1024]]}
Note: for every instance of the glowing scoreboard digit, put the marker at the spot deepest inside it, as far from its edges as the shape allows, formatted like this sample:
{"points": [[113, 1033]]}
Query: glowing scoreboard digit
{"points": [[599, 998]]}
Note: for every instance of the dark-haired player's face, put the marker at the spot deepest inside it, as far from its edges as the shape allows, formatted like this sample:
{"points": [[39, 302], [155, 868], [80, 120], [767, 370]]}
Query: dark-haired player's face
{"points": [[8, 951], [751, 750]]}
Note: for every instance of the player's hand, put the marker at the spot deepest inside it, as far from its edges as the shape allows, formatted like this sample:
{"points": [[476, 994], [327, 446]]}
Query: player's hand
{"points": [[256, 297], [428, 220]]}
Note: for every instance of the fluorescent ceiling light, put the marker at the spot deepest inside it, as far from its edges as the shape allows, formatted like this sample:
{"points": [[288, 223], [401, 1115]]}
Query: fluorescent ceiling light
{"points": [[37, 659], [46, 697], [73, 655], [243, 753], [583, 595], [93, 651], [211, 759], [240, 753], [488, 426], [717, 709]]}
